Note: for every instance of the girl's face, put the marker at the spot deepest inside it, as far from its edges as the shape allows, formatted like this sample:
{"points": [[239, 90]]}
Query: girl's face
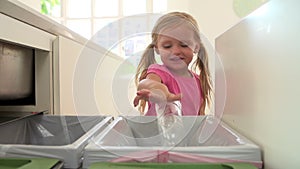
{"points": [[176, 47]]}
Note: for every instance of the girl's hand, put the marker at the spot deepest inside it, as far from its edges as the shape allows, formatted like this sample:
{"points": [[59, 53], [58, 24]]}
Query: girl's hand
{"points": [[154, 91]]}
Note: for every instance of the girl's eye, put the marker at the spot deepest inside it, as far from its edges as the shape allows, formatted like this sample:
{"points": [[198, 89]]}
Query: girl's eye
{"points": [[184, 45], [167, 46]]}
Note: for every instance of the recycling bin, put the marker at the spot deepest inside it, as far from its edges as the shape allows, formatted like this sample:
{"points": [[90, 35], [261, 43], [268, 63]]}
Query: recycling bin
{"points": [[51, 136], [187, 139]]}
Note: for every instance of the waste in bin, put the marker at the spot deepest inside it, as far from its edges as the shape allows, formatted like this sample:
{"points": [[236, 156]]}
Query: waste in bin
{"points": [[49, 136]]}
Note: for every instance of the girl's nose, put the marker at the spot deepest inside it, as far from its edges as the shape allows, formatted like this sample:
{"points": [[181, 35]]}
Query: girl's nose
{"points": [[176, 50]]}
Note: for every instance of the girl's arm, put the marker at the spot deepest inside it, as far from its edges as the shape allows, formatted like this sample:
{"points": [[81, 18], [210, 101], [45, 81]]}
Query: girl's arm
{"points": [[152, 89]]}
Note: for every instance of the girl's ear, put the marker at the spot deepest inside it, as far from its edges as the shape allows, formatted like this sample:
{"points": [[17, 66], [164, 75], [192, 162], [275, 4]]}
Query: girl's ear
{"points": [[197, 48]]}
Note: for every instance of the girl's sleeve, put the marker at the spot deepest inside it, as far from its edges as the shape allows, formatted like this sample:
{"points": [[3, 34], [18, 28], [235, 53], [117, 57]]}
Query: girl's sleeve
{"points": [[158, 70], [166, 77]]}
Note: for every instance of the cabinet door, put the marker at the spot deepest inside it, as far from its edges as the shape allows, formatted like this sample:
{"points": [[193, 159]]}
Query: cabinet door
{"points": [[83, 77]]}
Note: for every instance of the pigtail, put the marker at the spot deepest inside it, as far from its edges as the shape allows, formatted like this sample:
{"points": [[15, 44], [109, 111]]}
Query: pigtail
{"points": [[205, 81], [147, 59]]}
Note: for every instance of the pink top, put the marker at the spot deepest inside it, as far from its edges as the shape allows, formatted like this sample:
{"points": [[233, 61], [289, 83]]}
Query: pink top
{"points": [[189, 87]]}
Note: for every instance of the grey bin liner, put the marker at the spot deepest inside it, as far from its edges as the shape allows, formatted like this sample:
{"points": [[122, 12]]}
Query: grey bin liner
{"points": [[127, 135], [60, 137], [144, 131]]}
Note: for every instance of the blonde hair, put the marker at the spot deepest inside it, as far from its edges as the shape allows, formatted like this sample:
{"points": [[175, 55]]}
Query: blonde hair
{"points": [[201, 63]]}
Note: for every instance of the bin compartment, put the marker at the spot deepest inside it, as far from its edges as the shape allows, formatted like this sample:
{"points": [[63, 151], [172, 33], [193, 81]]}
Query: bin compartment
{"points": [[58, 137], [132, 138]]}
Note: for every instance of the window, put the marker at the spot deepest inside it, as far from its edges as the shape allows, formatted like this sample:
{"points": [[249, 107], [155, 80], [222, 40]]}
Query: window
{"points": [[89, 16]]}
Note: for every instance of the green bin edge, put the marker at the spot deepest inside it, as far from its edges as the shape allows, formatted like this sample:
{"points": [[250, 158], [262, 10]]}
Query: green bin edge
{"points": [[28, 163]]}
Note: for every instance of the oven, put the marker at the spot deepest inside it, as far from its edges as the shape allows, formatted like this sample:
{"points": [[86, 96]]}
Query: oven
{"points": [[26, 73]]}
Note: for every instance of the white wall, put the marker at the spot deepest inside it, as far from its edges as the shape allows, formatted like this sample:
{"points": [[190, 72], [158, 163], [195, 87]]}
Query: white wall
{"points": [[213, 16], [261, 61]]}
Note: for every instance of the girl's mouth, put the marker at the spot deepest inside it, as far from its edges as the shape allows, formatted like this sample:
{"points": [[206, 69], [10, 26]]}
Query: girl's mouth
{"points": [[176, 58]]}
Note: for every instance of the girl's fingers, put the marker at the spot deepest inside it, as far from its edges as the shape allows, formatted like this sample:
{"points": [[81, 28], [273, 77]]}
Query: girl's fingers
{"points": [[141, 94], [136, 100]]}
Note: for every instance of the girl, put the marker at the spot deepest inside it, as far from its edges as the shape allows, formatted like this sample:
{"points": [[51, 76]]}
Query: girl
{"points": [[176, 38]]}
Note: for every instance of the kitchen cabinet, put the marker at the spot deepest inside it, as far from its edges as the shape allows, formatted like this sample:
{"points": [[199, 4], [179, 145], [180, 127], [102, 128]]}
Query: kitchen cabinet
{"points": [[80, 87]]}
